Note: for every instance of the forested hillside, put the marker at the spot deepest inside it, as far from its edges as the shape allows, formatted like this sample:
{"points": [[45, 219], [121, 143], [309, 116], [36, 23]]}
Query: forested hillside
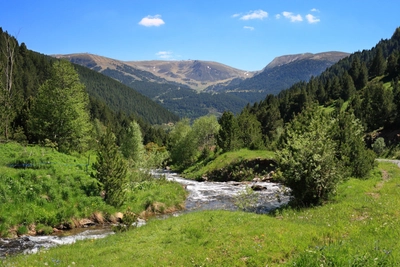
{"points": [[25, 71], [179, 86], [366, 81], [180, 99], [121, 98]]}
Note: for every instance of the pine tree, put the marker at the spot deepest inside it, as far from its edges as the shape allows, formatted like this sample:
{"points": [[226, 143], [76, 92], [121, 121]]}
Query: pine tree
{"points": [[111, 170], [250, 130], [392, 65], [348, 87], [378, 65], [228, 135]]}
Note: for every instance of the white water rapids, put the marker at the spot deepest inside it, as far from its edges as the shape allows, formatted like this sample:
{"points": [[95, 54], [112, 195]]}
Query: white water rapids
{"points": [[223, 195], [202, 196]]}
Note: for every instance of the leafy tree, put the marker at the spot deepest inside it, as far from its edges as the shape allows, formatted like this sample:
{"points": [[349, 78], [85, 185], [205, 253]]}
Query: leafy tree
{"points": [[307, 161], [132, 147], [205, 130], [352, 154], [111, 170], [228, 135], [59, 112], [183, 145]]}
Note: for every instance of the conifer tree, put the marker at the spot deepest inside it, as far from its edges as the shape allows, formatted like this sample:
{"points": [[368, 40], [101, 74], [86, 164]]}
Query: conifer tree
{"points": [[228, 135], [111, 170], [378, 65]]}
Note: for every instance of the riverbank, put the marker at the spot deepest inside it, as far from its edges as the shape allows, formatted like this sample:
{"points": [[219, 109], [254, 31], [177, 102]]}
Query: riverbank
{"points": [[42, 190], [360, 227]]}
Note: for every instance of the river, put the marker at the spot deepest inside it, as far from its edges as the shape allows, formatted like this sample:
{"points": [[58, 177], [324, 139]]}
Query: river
{"points": [[201, 196]]}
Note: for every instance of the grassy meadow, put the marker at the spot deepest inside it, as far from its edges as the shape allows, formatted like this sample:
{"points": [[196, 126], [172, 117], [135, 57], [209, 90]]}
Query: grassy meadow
{"points": [[41, 188], [360, 227]]}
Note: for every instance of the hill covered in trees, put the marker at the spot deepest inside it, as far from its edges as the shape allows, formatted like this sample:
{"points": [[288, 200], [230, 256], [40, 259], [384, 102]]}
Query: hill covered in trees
{"points": [[25, 71]]}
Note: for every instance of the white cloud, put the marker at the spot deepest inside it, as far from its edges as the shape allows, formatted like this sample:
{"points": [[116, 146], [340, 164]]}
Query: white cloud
{"points": [[165, 54], [292, 17], [312, 19], [278, 16], [235, 15], [258, 14], [150, 21], [314, 10], [248, 28]]}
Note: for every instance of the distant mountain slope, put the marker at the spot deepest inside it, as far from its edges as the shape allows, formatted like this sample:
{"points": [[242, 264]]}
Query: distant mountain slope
{"points": [[120, 97], [195, 74], [280, 74], [176, 84], [176, 97]]}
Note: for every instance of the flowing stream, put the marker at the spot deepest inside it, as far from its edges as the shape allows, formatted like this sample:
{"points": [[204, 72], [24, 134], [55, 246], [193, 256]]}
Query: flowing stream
{"points": [[202, 196]]}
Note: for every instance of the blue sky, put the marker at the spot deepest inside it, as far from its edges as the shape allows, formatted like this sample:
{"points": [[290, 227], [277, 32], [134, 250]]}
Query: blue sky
{"points": [[242, 34]]}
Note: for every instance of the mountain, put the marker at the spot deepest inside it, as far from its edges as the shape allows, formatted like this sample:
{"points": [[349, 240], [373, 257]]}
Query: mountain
{"points": [[194, 74], [176, 97], [193, 88], [281, 73]]}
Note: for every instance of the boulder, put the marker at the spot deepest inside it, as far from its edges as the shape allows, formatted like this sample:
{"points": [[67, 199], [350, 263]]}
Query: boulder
{"points": [[257, 187]]}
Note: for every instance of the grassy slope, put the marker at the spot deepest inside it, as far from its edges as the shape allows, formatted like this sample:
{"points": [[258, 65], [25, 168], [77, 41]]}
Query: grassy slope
{"points": [[58, 187], [360, 227], [224, 160]]}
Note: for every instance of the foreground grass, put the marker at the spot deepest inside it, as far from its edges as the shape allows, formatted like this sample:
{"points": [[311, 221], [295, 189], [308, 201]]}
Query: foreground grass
{"points": [[40, 186], [360, 227]]}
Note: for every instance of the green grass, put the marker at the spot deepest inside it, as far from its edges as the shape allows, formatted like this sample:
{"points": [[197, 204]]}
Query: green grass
{"points": [[360, 227], [226, 159], [57, 188]]}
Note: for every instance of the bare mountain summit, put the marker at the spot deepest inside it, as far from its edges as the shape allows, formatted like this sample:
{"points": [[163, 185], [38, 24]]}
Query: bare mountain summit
{"points": [[196, 74], [332, 56]]}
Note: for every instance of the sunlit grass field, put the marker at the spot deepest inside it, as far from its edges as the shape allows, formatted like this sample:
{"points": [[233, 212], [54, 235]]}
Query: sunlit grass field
{"points": [[40, 186], [360, 227]]}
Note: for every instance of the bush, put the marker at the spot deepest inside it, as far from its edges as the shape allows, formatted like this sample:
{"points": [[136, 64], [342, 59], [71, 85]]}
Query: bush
{"points": [[307, 161], [379, 146]]}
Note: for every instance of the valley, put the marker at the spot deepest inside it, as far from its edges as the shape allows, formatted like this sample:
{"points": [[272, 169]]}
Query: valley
{"points": [[179, 86]]}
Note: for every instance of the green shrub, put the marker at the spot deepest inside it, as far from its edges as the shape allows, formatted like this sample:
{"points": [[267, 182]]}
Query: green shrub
{"points": [[42, 229], [22, 230], [379, 146]]}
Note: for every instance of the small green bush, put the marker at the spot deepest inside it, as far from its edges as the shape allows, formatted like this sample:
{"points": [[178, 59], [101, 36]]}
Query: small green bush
{"points": [[22, 230], [42, 229], [379, 146]]}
